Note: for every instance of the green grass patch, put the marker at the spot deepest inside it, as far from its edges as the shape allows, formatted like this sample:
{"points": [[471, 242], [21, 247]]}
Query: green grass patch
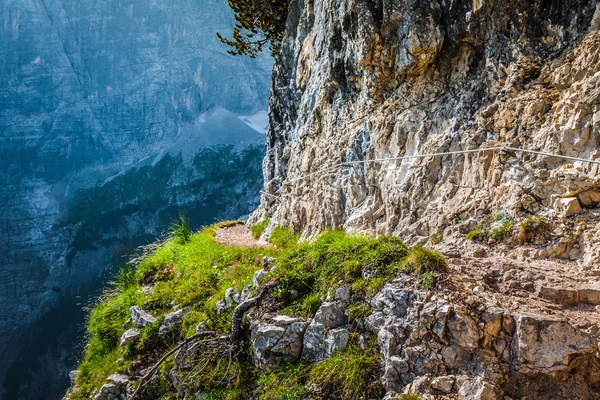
{"points": [[196, 271], [345, 375], [311, 269], [283, 238], [258, 229], [497, 227], [423, 260], [286, 383]]}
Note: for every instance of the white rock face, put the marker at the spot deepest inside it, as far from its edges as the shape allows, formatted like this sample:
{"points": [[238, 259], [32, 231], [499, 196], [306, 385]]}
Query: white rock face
{"points": [[370, 80], [130, 336], [362, 81], [172, 320], [141, 318]]}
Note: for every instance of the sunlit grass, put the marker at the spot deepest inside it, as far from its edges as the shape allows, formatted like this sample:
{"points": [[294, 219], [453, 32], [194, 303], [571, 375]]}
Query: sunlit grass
{"points": [[196, 272]]}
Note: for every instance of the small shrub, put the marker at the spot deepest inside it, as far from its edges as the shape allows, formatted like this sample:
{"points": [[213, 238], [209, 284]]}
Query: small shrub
{"points": [[436, 239], [428, 280], [408, 396], [497, 227], [345, 374], [180, 230], [258, 229], [455, 218], [532, 228], [501, 232], [125, 279], [421, 260], [358, 311], [283, 237], [477, 234]]}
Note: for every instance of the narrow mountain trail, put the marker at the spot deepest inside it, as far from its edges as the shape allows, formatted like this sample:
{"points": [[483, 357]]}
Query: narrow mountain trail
{"points": [[238, 235], [541, 287]]}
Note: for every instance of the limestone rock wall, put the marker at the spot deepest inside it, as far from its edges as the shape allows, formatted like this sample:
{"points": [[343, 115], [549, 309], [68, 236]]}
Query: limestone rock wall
{"points": [[359, 79], [441, 345]]}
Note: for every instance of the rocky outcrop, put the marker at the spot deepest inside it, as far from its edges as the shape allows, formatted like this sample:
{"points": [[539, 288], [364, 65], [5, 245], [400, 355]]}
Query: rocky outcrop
{"points": [[363, 80], [438, 344], [140, 317], [172, 320], [282, 338]]}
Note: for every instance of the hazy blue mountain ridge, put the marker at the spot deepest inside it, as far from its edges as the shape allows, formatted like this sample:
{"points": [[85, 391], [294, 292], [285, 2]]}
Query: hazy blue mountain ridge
{"points": [[106, 110]]}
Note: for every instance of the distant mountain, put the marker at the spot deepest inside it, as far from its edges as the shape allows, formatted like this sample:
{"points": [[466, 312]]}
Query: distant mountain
{"points": [[114, 116]]}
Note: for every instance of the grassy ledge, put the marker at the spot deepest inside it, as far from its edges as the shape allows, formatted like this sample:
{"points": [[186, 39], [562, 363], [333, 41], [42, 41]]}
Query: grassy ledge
{"points": [[193, 270]]}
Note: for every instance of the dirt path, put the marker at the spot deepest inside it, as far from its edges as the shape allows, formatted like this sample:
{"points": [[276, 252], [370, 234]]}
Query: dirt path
{"points": [[237, 235], [543, 287]]}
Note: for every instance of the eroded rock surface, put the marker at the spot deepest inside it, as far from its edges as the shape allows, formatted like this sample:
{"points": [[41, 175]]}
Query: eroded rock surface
{"points": [[140, 317], [360, 80], [442, 343], [364, 80]]}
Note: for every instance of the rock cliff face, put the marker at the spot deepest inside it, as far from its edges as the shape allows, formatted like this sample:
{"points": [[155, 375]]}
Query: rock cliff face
{"points": [[360, 80], [107, 112], [366, 80], [439, 346]]}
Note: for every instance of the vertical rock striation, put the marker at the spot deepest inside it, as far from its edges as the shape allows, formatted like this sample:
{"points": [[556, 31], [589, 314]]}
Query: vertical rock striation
{"points": [[359, 80]]}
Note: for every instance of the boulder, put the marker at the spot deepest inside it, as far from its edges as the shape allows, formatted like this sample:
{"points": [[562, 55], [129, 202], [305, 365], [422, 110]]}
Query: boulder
{"points": [[264, 337], [336, 340], [73, 377], [141, 318], [130, 336], [290, 343], [443, 383], [479, 389], [546, 344], [282, 338], [566, 207], [109, 391], [330, 315], [172, 320], [342, 294], [321, 338], [119, 379], [258, 278]]}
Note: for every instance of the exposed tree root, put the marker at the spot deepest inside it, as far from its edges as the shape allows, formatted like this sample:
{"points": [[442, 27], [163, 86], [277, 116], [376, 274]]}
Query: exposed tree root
{"points": [[242, 309], [152, 371], [233, 341]]}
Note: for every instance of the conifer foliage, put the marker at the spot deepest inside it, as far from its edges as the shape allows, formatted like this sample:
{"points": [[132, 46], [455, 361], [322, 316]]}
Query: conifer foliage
{"points": [[258, 23]]}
